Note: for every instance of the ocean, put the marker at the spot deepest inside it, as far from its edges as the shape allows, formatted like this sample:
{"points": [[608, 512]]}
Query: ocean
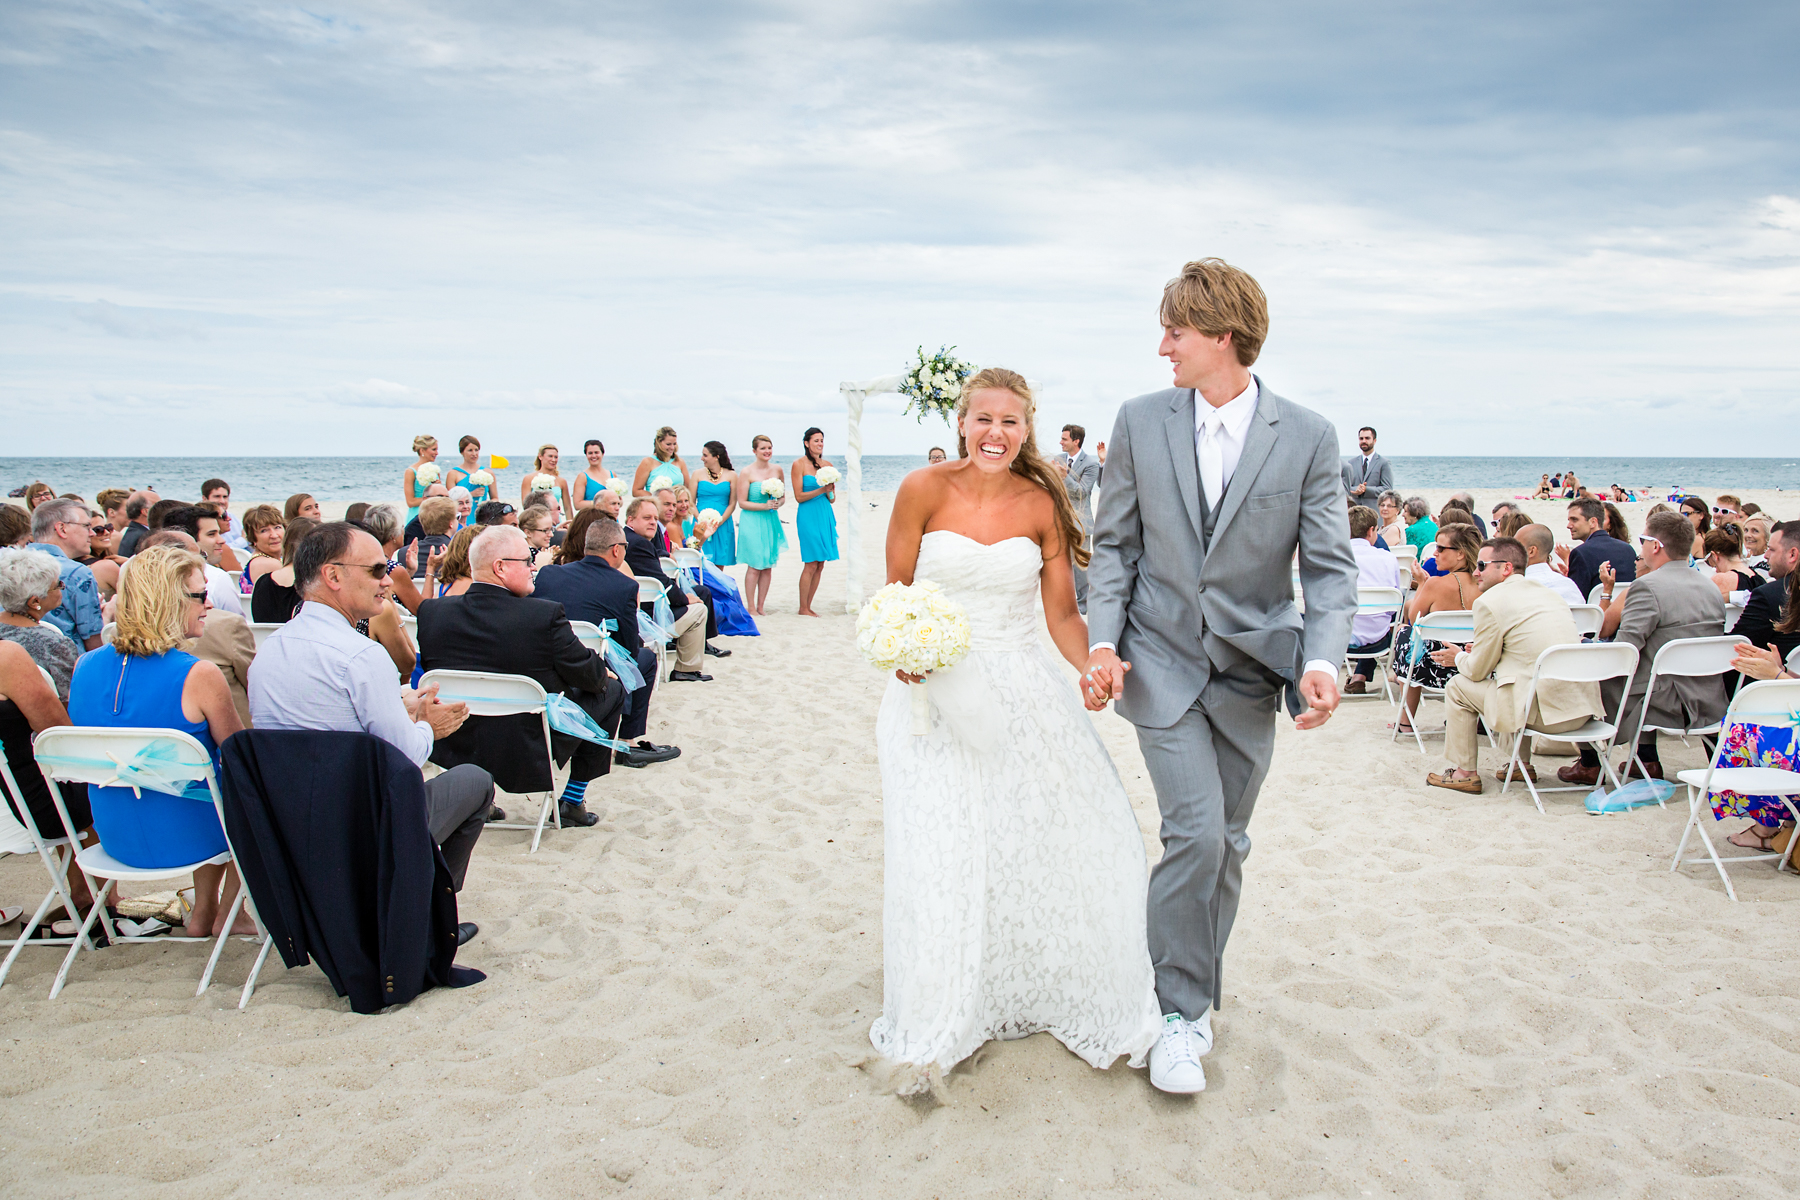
{"points": [[348, 480]]}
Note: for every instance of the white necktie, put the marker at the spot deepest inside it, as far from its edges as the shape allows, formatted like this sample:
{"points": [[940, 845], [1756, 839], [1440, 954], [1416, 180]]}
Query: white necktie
{"points": [[1212, 458]]}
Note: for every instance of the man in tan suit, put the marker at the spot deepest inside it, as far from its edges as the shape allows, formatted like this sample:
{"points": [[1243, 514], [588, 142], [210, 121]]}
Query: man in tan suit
{"points": [[1516, 619]]}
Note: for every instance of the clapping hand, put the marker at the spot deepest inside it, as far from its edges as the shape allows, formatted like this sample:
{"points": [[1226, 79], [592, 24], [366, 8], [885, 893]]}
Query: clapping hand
{"points": [[1607, 575], [444, 719], [409, 558], [436, 557], [1757, 664]]}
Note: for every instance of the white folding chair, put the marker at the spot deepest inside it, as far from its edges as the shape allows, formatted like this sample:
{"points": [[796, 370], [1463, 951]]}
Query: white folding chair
{"points": [[96, 757], [1455, 625], [1407, 556], [686, 556], [1764, 702], [1733, 613], [410, 623], [493, 695], [21, 837], [1588, 618], [107, 631], [1587, 662], [1372, 601], [649, 592], [1793, 660], [1595, 592], [1691, 658], [590, 635], [261, 631], [667, 562]]}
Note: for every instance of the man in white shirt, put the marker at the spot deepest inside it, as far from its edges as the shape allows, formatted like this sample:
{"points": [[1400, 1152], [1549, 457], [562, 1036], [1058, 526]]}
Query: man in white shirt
{"points": [[1539, 545], [317, 672], [208, 532], [1370, 633]]}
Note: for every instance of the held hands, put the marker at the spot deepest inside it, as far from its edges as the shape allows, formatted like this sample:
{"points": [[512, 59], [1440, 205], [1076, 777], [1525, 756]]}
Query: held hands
{"points": [[1320, 691], [1103, 678]]}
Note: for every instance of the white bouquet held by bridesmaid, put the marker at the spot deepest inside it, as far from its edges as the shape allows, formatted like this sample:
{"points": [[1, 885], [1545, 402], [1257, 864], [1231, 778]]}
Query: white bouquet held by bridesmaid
{"points": [[543, 483], [773, 489], [827, 476], [913, 628], [619, 486], [428, 473]]}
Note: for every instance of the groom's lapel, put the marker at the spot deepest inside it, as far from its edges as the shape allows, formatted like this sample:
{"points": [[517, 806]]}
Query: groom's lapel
{"points": [[1179, 426], [1257, 444]]}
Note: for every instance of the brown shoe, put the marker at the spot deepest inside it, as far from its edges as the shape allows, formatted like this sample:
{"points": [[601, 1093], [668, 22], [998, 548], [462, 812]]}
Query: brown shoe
{"points": [[1470, 786], [1576, 773], [1526, 770], [1632, 772], [1356, 687]]}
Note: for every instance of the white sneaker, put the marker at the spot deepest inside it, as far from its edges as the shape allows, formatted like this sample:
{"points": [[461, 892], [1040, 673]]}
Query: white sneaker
{"points": [[1203, 1034], [1175, 1059]]}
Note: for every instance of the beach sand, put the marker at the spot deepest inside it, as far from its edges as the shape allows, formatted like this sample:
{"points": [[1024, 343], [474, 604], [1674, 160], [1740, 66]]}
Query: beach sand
{"points": [[1427, 995]]}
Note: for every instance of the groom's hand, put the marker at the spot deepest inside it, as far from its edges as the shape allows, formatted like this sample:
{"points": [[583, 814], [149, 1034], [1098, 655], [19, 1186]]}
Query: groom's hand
{"points": [[1321, 694], [1103, 678]]}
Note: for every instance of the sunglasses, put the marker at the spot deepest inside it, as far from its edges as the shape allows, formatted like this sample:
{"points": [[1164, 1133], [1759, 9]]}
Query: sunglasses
{"points": [[1482, 564], [200, 596], [1654, 541], [101, 530], [376, 570]]}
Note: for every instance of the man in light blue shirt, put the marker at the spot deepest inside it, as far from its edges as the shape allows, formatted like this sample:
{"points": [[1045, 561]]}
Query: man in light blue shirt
{"points": [[61, 529], [317, 672]]}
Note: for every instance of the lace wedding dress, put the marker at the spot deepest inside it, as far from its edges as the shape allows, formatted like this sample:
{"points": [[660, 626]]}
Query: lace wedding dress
{"points": [[1015, 872]]}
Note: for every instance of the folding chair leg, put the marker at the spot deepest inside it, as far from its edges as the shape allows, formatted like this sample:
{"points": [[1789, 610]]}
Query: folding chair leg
{"points": [[25, 935], [1506, 781], [81, 939], [550, 805], [237, 902], [261, 957], [1686, 830]]}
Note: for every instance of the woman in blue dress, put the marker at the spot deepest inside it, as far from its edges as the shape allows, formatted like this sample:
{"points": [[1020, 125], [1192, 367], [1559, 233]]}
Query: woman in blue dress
{"points": [[715, 488], [468, 474], [664, 468], [814, 519], [591, 482], [419, 476], [143, 680], [760, 539]]}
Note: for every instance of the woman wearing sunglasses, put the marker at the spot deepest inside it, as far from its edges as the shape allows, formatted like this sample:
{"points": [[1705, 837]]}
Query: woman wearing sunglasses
{"points": [[1458, 546]]}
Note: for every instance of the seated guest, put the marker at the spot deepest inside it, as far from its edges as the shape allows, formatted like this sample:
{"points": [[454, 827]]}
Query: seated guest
{"points": [[36, 493], [1762, 619], [465, 504], [1515, 621], [355, 512], [498, 626], [301, 505], [609, 503], [688, 612], [63, 529], [668, 518], [144, 680], [1770, 745], [1453, 591], [1510, 524], [15, 526], [318, 672], [208, 534], [263, 529], [496, 512], [159, 510], [30, 589], [383, 522], [1615, 522], [28, 706], [1666, 602], [596, 589], [1466, 502], [226, 642], [111, 501], [1728, 508], [226, 558], [1421, 530], [573, 549], [1756, 543], [218, 492], [1587, 525], [414, 530], [100, 559], [1539, 545], [535, 523], [274, 598], [1370, 633], [1724, 557], [1750, 508], [447, 571], [437, 520], [137, 521]]}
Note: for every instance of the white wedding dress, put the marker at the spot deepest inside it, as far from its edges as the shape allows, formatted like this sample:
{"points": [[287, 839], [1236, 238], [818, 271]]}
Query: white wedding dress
{"points": [[1015, 871]]}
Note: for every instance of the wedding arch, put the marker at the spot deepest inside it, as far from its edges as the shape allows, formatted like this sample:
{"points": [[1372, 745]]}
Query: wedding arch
{"points": [[855, 396]]}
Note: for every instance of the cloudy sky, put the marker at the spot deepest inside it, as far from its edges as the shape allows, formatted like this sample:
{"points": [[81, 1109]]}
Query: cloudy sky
{"points": [[256, 228]]}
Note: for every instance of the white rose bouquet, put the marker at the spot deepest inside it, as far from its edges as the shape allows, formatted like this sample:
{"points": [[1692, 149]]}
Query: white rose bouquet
{"points": [[619, 487], [935, 384], [705, 525], [543, 483], [827, 476], [773, 489], [916, 629], [427, 473], [482, 479]]}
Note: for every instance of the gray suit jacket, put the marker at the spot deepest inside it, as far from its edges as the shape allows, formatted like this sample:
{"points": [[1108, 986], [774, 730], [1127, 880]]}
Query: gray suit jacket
{"points": [[1379, 477], [1083, 476], [1167, 601], [1668, 603]]}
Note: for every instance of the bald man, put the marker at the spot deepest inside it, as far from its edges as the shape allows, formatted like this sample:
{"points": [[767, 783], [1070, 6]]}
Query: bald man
{"points": [[1539, 545]]}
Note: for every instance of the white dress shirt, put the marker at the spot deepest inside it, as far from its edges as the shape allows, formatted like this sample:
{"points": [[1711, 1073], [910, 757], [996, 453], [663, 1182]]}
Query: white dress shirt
{"points": [[1226, 426], [1545, 574], [317, 672], [1374, 568]]}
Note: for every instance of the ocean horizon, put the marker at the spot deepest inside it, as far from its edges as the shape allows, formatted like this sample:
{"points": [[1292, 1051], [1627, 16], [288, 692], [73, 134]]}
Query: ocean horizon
{"points": [[348, 479]]}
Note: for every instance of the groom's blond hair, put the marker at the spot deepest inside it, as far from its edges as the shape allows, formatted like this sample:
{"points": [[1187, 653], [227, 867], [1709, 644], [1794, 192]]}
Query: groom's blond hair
{"points": [[1213, 297]]}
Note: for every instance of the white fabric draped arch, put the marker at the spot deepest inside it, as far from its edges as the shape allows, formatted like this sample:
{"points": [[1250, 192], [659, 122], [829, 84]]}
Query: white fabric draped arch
{"points": [[855, 394]]}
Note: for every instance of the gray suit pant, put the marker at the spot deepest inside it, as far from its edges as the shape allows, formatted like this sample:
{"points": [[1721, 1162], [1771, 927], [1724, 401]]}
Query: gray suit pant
{"points": [[1207, 769], [1081, 582], [456, 805]]}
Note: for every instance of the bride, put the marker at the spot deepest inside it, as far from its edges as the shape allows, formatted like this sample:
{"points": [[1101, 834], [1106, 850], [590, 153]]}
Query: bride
{"points": [[1015, 871]]}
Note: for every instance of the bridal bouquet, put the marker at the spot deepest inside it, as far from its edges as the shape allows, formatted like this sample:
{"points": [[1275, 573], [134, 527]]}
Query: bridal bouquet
{"points": [[913, 628], [935, 384], [827, 476], [427, 473], [543, 483], [773, 489]]}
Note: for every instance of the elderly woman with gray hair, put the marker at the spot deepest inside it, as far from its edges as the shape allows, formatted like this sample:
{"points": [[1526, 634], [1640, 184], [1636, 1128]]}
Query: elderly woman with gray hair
{"points": [[30, 586]]}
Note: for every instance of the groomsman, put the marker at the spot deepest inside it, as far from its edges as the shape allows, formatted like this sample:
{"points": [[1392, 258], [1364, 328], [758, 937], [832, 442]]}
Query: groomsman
{"points": [[1367, 475], [1081, 473]]}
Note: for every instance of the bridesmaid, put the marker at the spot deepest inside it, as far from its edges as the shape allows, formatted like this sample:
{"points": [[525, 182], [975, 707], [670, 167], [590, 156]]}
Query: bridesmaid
{"points": [[760, 536], [717, 490], [469, 474], [664, 468], [545, 464], [411, 486], [814, 519], [593, 480]]}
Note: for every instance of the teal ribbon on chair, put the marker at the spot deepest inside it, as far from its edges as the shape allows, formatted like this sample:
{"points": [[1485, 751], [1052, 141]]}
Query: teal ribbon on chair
{"points": [[152, 767], [569, 718], [650, 631]]}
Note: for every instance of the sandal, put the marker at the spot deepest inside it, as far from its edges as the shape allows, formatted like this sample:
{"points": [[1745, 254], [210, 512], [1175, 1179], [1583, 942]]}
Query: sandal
{"points": [[1766, 844]]}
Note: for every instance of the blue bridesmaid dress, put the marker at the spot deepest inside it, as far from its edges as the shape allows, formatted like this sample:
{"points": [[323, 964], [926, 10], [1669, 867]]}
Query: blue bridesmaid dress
{"points": [[721, 548], [816, 521], [760, 536]]}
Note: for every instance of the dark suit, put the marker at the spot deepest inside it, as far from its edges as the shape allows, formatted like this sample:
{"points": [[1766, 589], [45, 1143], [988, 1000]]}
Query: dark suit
{"points": [[590, 590], [135, 532], [487, 628], [1601, 546], [1761, 611], [641, 558]]}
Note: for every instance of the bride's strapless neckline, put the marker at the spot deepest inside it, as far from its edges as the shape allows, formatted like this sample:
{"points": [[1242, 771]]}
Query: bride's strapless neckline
{"points": [[1018, 537]]}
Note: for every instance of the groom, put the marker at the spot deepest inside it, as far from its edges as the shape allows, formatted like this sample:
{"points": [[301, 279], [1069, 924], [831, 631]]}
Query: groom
{"points": [[1211, 487]]}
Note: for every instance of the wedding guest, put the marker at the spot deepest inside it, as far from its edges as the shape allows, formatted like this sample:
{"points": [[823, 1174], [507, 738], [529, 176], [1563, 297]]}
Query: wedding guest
{"points": [[574, 547], [416, 478], [317, 672], [545, 464], [1723, 554], [31, 587], [1515, 622], [469, 473], [1756, 543], [300, 504], [716, 489], [609, 504], [1457, 548], [814, 520], [159, 510], [137, 521], [1750, 508], [413, 531], [226, 641], [28, 706], [1540, 545], [1615, 522], [100, 558], [1421, 530], [760, 536], [689, 628], [1587, 525], [1666, 602], [1511, 523], [535, 523], [499, 626], [1771, 745], [1763, 612], [1466, 502], [437, 521], [465, 504], [207, 538], [935, 456], [382, 522], [1503, 510], [664, 467], [274, 598], [496, 512], [1393, 529], [594, 477], [1698, 513], [453, 574], [264, 529], [37, 493], [1728, 508], [223, 557], [15, 526], [1080, 474], [111, 501], [668, 537], [1370, 633], [144, 680], [63, 529]]}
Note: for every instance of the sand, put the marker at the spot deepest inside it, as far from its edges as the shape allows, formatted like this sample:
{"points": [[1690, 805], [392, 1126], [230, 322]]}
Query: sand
{"points": [[1428, 995]]}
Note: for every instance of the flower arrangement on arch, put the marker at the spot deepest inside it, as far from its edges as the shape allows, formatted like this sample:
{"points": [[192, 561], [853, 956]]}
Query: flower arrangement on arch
{"points": [[935, 384]]}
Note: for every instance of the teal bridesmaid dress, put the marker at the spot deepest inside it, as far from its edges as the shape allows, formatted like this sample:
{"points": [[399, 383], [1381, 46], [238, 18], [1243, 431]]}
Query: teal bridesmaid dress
{"points": [[721, 548], [760, 538], [816, 522]]}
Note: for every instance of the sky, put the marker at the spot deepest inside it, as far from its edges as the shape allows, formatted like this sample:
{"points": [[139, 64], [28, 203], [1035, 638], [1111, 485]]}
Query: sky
{"points": [[254, 228]]}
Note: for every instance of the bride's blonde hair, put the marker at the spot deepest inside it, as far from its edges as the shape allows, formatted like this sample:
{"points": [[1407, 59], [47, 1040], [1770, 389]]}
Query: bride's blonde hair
{"points": [[1028, 463]]}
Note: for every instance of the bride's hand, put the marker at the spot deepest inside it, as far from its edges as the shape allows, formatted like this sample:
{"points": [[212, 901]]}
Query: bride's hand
{"points": [[1102, 679], [903, 677]]}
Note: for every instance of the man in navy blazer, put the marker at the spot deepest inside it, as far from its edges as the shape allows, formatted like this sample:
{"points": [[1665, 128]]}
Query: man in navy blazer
{"points": [[596, 589], [687, 610], [1587, 523]]}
